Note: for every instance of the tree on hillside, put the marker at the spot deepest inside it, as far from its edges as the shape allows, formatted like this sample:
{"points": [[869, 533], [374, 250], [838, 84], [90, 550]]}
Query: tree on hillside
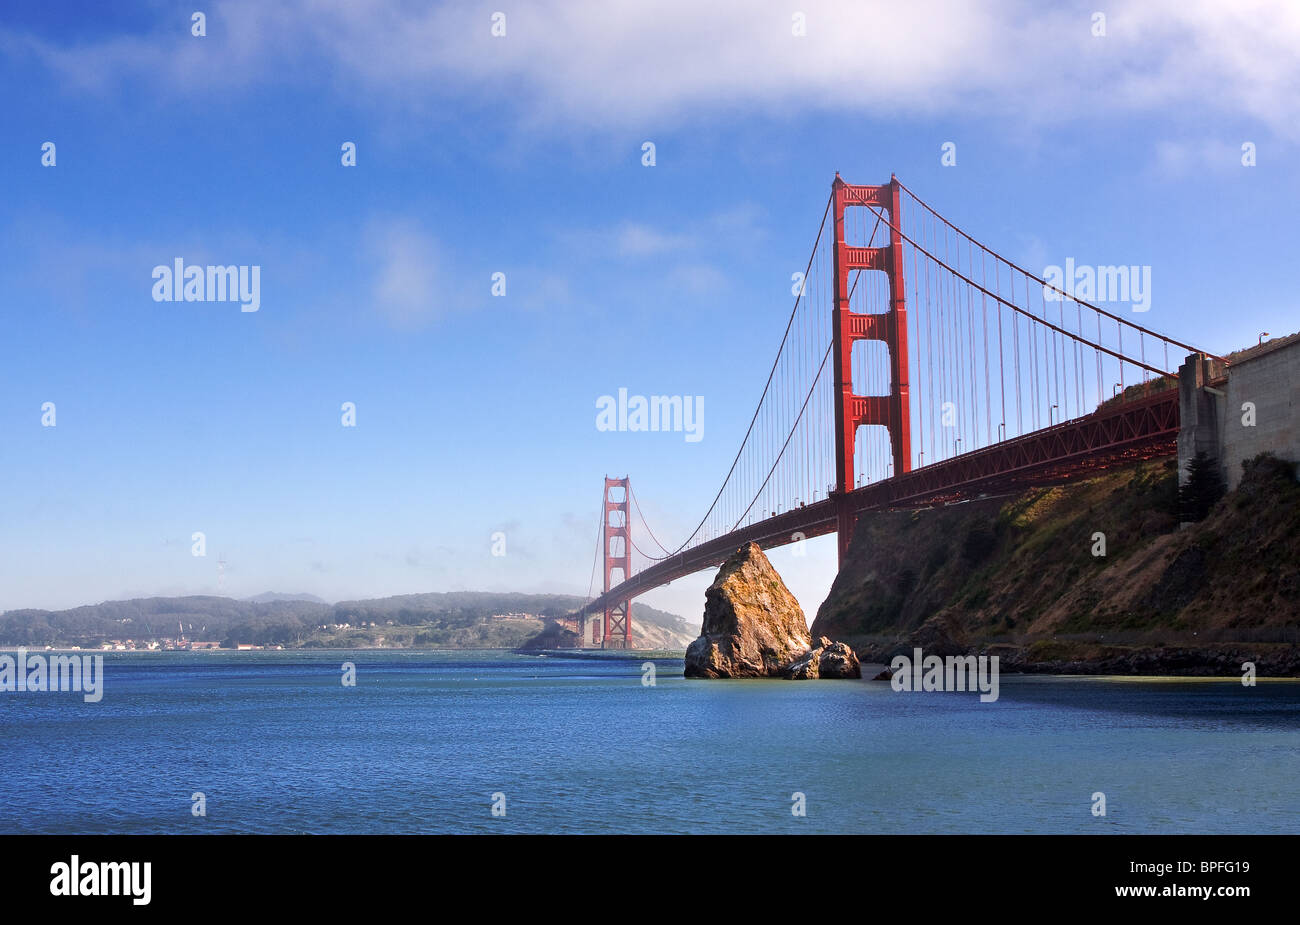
{"points": [[1202, 490]]}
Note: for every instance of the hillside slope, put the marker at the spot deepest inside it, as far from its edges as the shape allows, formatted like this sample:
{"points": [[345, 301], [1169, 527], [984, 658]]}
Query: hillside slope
{"points": [[1017, 577], [459, 619]]}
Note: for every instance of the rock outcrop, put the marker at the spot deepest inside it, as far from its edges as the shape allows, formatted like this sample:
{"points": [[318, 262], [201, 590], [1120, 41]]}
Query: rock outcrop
{"points": [[825, 660], [753, 626], [1015, 577]]}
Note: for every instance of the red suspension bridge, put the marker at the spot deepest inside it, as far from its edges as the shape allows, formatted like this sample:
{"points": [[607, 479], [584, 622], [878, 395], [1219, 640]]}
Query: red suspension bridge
{"points": [[917, 367]]}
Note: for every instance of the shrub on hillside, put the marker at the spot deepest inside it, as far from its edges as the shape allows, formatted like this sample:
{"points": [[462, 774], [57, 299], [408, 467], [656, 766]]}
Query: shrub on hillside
{"points": [[1202, 490]]}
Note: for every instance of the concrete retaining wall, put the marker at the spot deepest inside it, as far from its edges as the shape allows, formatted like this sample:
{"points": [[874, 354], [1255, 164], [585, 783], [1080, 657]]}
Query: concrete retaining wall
{"points": [[1218, 419], [1271, 382]]}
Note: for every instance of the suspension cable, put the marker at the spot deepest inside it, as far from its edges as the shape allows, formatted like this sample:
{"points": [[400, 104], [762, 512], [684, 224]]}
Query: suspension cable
{"points": [[804, 407], [1043, 282], [766, 387], [793, 428], [641, 514], [595, 558], [894, 222], [1028, 314]]}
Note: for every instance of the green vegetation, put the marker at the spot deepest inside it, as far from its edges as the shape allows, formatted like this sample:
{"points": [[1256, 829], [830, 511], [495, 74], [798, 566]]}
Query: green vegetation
{"points": [[1202, 490], [1082, 567]]}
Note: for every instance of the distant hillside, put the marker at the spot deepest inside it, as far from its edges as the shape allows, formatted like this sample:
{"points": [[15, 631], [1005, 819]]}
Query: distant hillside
{"points": [[270, 596], [458, 619], [197, 616]]}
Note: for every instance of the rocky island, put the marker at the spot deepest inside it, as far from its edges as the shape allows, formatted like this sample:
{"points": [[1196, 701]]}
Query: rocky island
{"points": [[754, 628]]}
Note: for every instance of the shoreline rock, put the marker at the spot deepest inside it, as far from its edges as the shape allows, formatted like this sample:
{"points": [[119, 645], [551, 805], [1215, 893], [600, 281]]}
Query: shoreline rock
{"points": [[1215, 661], [752, 627], [824, 661]]}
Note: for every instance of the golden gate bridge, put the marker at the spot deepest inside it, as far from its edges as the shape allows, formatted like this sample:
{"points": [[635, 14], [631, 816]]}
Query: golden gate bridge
{"points": [[917, 367]]}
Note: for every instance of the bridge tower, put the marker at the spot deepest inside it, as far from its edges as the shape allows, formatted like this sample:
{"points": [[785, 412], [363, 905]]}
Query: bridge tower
{"points": [[852, 410], [617, 625]]}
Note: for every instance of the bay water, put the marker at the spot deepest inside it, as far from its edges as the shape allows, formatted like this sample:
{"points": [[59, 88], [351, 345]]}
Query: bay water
{"points": [[430, 742]]}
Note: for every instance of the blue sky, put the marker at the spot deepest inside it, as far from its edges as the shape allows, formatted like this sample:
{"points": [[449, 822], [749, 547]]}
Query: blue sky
{"points": [[523, 154]]}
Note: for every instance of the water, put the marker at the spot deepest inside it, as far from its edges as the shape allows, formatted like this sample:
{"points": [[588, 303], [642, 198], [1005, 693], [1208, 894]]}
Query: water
{"points": [[424, 740]]}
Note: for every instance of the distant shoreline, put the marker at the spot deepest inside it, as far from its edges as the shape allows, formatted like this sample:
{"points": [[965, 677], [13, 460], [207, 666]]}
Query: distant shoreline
{"points": [[869, 669], [581, 653]]}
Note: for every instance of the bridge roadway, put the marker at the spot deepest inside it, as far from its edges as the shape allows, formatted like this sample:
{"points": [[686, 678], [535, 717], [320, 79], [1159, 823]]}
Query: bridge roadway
{"points": [[1116, 433]]}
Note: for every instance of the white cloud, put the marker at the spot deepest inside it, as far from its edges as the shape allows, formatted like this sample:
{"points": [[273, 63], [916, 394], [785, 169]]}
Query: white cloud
{"points": [[406, 288], [1185, 158], [539, 290], [741, 227], [698, 278], [624, 64], [637, 240]]}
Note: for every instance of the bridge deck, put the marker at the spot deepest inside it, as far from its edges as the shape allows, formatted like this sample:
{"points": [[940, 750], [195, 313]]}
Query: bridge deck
{"points": [[1142, 428]]}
